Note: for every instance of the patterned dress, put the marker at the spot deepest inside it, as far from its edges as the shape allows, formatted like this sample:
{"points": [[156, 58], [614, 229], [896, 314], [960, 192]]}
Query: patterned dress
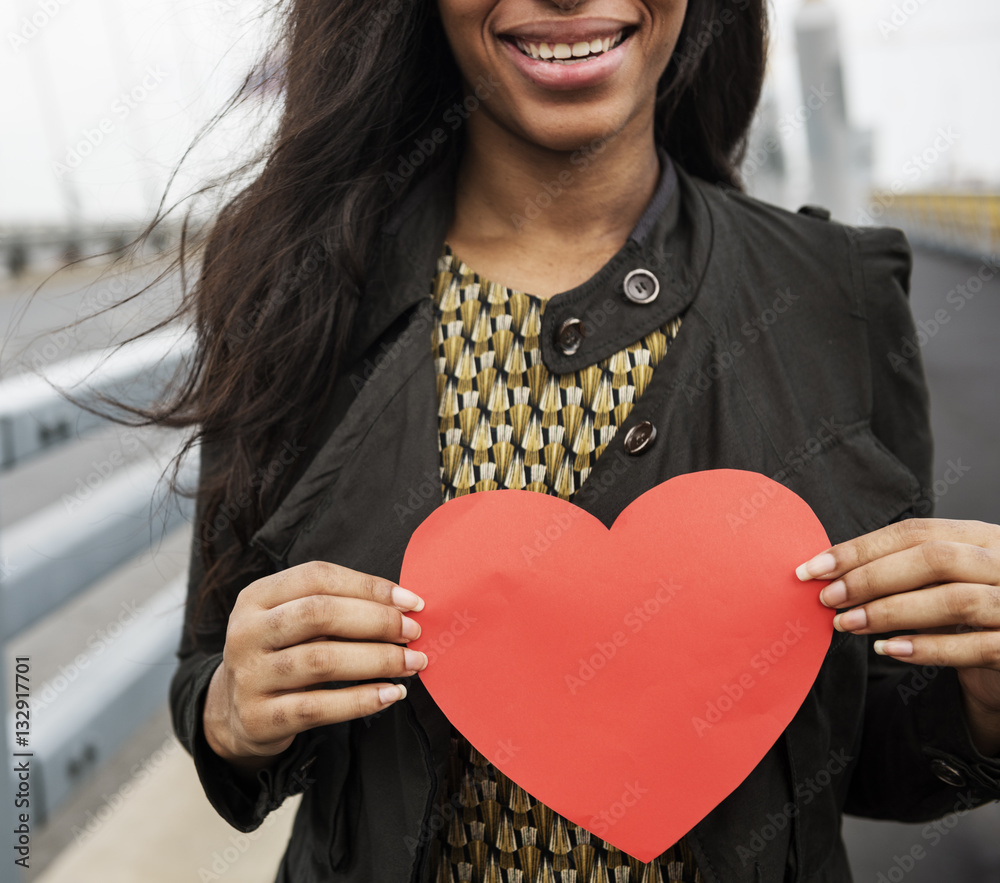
{"points": [[505, 422]]}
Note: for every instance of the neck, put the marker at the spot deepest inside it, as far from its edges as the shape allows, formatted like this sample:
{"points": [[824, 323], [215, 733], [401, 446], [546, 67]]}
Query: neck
{"points": [[509, 189]]}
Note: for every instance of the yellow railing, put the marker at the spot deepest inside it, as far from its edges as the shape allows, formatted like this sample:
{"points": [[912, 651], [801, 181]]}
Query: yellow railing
{"points": [[968, 222]]}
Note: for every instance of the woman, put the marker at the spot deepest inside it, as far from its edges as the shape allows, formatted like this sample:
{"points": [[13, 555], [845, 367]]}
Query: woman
{"points": [[499, 243]]}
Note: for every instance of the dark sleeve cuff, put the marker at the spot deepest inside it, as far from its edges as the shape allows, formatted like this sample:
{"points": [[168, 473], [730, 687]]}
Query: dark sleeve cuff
{"points": [[917, 761], [951, 755], [242, 801]]}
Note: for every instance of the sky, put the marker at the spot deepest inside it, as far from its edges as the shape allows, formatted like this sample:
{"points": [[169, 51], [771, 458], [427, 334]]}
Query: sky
{"points": [[104, 95]]}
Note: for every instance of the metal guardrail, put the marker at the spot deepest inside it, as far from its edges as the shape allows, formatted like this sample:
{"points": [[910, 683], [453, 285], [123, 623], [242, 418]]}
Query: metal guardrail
{"points": [[87, 721], [33, 416], [23, 245], [55, 554]]}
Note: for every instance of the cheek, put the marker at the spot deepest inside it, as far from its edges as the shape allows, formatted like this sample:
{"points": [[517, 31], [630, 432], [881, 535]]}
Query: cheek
{"points": [[465, 23], [660, 26], [671, 22]]}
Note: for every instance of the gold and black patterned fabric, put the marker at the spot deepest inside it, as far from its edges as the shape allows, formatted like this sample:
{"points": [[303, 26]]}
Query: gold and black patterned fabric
{"points": [[505, 422]]}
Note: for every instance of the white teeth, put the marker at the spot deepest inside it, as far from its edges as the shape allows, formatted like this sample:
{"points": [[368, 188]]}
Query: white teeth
{"points": [[564, 51]]}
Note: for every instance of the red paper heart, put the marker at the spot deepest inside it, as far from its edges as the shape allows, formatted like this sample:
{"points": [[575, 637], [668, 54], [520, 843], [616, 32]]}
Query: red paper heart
{"points": [[629, 679]]}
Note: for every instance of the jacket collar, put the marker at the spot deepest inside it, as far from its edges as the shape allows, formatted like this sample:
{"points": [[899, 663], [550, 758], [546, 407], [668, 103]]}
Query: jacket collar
{"points": [[677, 239], [405, 262]]}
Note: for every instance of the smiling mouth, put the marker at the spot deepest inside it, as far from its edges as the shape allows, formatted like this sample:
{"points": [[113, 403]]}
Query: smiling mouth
{"points": [[571, 53]]}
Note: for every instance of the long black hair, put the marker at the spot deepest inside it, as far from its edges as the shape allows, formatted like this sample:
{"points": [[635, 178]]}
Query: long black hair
{"points": [[283, 267]]}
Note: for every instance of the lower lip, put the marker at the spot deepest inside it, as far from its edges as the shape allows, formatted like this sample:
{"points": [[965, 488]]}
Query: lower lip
{"points": [[563, 77]]}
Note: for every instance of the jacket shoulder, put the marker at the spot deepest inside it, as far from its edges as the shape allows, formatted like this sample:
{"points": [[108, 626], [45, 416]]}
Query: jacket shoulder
{"points": [[809, 222], [807, 247]]}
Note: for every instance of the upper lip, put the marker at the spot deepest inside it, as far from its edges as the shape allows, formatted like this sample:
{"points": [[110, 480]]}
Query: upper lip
{"points": [[567, 31]]}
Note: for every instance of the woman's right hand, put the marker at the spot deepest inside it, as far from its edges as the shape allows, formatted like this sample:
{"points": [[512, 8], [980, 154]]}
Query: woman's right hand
{"points": [[292, 631]]}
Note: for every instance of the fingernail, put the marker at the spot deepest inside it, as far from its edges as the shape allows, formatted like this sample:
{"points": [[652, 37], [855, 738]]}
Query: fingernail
{"points": [[411, 629], [834, 594], [407, 600], [816, 567], [894, 647], [851, 620], [414, 660], [391, 693]]}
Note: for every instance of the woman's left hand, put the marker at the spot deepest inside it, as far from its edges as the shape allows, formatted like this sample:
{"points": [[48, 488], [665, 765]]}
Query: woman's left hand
{"points": [[938, 580]]}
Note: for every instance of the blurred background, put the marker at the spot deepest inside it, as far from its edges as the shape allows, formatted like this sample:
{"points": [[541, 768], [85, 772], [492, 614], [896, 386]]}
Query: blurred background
{"points": [[882, 112]]}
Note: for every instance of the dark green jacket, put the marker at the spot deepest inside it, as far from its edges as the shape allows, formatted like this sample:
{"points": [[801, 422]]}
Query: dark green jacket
{"points": [[781, 366]]}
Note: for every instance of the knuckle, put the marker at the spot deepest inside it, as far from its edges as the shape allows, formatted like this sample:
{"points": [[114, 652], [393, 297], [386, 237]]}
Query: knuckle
{"points": [[311, 610], [912, 531], [308, 709], [274, 620], [279, 716], [314, 572], [883, 616], [938, 555], [984, 559], [858, 582], [385, 661], [251, 594], [390, 622], [852, 554], [991, 602], [243, 684], [989, 649], [848, 555], [361, 703], [395, 661], [243, 598], [282, 665], [317, 660], [931, 652], [375, 588], [962, 602], [251, 720], [383, 590], [368, 586], [236, 637]]}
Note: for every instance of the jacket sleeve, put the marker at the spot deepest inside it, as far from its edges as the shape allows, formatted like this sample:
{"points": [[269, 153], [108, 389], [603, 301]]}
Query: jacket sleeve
{"points": [[917, 761], [243, 802]]}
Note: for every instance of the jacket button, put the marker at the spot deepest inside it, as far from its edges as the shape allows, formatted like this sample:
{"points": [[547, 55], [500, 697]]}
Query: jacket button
{"points": [[570, 335], [947, 773], [640, 437], [641, 287]]}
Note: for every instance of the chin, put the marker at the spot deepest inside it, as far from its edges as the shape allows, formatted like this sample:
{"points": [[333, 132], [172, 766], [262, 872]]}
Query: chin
{"points": [[584, 140], [588, 140], [576, 127]]}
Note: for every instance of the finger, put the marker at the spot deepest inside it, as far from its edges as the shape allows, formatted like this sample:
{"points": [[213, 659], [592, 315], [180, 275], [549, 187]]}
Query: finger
{"points": [[282, 716], [949, 604], [322, 661], [966, 650], [319, 616], [894, 538], [324, 578], [932, 562]]}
